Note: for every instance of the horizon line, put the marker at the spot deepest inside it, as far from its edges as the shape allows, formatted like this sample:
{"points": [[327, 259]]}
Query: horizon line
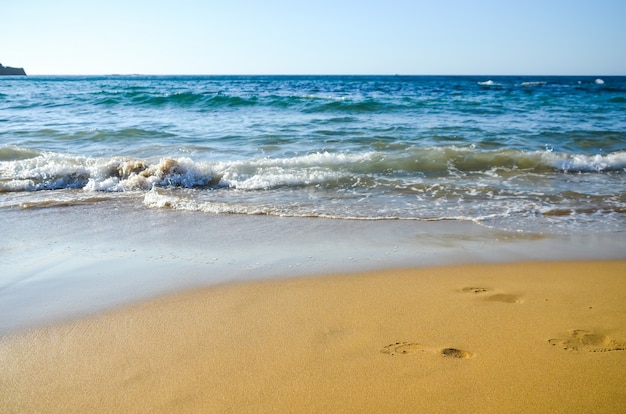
{"points": [[320, 74]]}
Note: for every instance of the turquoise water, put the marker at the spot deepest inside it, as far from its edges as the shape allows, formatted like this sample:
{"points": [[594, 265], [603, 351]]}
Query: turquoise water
{"points": [[530, 154]]}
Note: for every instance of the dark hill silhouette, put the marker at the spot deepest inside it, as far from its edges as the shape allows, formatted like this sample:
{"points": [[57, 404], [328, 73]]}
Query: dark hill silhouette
{"points": [[7, 70]]}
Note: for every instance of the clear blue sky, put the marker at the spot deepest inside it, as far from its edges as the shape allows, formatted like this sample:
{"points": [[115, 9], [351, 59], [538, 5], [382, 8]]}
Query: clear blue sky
{"points": [[490, 37]]}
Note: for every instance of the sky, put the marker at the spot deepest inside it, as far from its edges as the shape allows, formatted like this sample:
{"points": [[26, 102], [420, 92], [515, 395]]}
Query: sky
{"points": [[212, 37]]}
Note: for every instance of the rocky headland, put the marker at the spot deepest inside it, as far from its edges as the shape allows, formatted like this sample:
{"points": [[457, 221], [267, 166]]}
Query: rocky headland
{"points": [[7, 70]]}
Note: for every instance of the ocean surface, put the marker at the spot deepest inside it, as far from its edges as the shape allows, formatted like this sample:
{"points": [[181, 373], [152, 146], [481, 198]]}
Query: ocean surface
{"points": [[524, 154]]}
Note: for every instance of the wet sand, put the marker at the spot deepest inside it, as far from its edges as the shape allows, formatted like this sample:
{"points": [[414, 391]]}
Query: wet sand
{"points": [[68, 262], [522, 337]]}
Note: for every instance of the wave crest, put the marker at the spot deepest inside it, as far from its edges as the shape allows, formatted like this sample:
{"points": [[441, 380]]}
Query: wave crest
{"points": [[32, 171], [53, 171]]}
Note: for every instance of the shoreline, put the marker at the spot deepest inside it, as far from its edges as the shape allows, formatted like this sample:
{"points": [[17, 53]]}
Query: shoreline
{"points": [[68, 262], [507, 337]]}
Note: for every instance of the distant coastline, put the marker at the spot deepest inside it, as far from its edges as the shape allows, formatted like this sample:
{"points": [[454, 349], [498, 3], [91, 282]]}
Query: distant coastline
{"points": [[9, 71]]}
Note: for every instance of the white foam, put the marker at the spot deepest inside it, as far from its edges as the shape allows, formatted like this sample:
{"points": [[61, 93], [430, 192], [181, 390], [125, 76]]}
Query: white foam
{"points": [[62, 171], [154, 199], [586, 163], [599, 81], [326, 98], [58, 171], [308, 169], [46, 171]]}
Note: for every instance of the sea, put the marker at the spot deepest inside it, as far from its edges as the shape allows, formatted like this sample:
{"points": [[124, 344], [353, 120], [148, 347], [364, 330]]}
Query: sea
{"points": [[518, 153]]}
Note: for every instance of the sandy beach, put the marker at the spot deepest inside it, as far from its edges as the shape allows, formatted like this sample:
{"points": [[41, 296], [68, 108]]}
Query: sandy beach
{"points": [[522, 337]]}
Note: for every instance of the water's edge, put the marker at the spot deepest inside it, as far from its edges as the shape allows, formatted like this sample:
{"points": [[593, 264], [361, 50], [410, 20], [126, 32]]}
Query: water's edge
{"points": [[71, 261]]}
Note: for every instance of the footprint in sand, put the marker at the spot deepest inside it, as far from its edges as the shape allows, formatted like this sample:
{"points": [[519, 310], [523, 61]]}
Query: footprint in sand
{"points": [[581, 340], [406, 348], [497, 297], [475, 290]]}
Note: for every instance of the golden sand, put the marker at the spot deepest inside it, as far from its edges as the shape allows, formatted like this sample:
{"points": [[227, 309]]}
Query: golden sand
{"points": [[525, 337]]}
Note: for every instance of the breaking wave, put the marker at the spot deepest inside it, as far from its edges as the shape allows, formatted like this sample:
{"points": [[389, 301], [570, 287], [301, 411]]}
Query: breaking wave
{"points": [[27, 170]]}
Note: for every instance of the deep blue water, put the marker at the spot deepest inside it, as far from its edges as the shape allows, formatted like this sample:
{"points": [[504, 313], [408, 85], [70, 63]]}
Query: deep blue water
{"points": [[520, 153]]}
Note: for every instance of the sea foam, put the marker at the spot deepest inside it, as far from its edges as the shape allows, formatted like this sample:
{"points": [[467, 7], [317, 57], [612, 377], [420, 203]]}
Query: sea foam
{"points": [[51, 171]]}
